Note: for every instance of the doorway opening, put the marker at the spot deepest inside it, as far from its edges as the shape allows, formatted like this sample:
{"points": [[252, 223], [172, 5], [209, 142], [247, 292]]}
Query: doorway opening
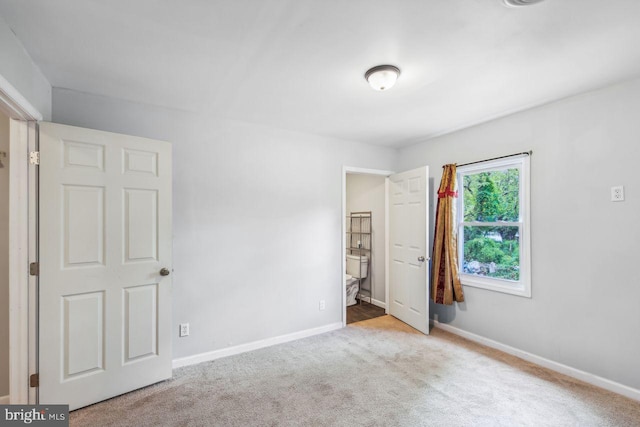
{"points": [[364, 244], [402, 243]]}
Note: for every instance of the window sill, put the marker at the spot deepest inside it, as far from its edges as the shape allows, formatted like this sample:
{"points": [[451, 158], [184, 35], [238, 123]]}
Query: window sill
{"points": [[520, 289]]}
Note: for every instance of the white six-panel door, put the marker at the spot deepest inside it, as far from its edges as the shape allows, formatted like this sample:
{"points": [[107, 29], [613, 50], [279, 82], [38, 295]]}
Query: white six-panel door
{"points": [[105, 235], [408, 250]]}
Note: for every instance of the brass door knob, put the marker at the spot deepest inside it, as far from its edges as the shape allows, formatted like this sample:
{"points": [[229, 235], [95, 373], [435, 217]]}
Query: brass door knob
{"points": [[165, 272]]}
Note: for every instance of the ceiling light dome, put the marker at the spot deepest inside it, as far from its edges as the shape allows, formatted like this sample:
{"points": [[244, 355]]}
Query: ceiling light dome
{"points": [[382, 77], [518, 3]]}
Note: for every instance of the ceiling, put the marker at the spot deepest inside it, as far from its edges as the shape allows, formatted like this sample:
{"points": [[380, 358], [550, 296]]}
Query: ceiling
{"points": [[299, 64]]}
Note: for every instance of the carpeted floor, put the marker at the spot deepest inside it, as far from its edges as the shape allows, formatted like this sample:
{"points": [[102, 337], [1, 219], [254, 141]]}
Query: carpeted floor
{"points": [[379, 372]]}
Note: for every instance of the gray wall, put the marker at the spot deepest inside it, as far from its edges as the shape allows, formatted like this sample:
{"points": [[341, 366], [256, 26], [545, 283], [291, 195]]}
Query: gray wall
{"points": [[17, 67], [366, 193], [257, 218], [586, 295], [4, 257]]}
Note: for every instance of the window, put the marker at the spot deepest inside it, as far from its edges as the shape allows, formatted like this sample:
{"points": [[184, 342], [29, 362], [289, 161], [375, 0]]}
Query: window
{"points": [[493, 225]]}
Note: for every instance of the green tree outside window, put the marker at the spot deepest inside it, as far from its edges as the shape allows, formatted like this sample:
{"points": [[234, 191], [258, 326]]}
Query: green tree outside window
{"points": [[492, 250]]}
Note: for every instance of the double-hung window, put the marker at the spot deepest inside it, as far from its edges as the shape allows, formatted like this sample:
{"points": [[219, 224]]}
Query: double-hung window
{"points": [[493, 225]]}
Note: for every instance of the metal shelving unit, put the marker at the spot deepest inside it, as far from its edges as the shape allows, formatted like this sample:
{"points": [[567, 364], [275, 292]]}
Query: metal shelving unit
{"points": [[359, 242]]}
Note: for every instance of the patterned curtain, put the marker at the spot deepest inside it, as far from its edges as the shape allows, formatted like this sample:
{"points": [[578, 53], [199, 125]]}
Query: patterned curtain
{"points": [[446, 286]]}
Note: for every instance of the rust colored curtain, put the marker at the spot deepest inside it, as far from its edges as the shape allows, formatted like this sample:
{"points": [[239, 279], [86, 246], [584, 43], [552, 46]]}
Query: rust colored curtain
{"points": [[446, 286]]}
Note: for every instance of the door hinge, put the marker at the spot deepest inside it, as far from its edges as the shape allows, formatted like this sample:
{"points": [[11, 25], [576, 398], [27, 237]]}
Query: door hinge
{"points": [[34, 157], [34, 380], [34, 268]]}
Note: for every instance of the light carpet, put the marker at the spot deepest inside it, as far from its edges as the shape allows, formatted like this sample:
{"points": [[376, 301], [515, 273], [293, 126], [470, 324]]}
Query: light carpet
{"points": [[379, 372]]}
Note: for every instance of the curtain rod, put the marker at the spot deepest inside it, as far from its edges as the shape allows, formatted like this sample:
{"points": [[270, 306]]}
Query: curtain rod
{"points": [[524, 153]]}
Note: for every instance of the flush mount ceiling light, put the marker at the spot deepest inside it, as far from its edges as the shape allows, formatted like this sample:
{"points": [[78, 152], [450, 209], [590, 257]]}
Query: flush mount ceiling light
{"points": [[518, 3], [382, 77]]}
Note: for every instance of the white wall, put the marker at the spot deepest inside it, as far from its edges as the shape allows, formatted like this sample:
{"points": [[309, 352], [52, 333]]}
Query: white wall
{"points": [[4, 257], [366, 193], [18, 69], [257, 218], [586, 297]]}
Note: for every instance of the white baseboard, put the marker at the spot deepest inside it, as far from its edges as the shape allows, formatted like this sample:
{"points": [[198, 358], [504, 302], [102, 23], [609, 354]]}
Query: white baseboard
{"points": [[4, 400], [375, 302], [255, 345], [544, 362]]}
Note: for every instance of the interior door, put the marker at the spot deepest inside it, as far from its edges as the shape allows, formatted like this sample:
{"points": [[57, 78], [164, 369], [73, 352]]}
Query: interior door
{"points": [[105, 236], [408, 250]]}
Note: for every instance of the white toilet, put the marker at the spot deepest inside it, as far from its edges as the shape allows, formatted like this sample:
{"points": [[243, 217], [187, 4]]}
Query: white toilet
{"points": [[353, 273]]}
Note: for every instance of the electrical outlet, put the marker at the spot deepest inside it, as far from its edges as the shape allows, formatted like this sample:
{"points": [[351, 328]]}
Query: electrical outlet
{"points": [[617, 193], [184, 329], [321, 306]]}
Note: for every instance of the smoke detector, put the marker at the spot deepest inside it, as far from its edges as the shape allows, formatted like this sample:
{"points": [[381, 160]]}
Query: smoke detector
{"points": [[519, 3]]}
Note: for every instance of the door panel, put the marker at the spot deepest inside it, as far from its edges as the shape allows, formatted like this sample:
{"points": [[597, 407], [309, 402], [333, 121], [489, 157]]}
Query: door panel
{"points": [[141, 322], [83, 215], [141, 213], [105, 233], [408, 275], [83, 335]]}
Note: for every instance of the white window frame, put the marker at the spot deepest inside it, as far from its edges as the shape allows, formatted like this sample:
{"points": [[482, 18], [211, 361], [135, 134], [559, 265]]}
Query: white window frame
{"points": [[521, 287]]}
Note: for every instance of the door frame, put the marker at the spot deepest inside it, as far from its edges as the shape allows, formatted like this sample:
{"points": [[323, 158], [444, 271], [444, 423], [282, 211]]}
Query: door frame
{"points": [[22, 242], [363, 171]]}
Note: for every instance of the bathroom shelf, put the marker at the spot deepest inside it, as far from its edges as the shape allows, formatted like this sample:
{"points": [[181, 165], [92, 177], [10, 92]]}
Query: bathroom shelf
{"points": [[359, 242]]}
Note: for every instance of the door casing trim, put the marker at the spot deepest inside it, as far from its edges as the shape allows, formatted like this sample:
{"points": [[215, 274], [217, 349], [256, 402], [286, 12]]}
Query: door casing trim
{"points": [[22, 243]]}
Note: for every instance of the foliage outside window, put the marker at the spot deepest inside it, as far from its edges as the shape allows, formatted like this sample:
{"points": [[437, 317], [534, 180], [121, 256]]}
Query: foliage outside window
{"points": [[493, 228]]}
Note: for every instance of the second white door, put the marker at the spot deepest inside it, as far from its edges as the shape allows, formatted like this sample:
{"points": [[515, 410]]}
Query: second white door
{"points": [[408, 250]]}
